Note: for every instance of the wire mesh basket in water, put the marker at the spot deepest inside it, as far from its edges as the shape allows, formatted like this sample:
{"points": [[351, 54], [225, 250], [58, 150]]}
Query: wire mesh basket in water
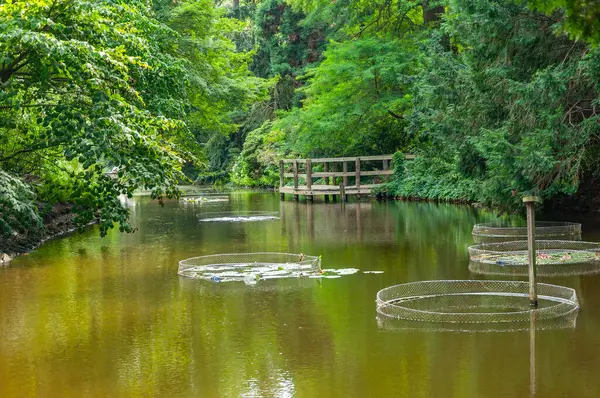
{"points": [[249, 267], [238, 216], [387, 323], [502, 232], [553, 258], [474, 301], [278, 286], [204, 199]]}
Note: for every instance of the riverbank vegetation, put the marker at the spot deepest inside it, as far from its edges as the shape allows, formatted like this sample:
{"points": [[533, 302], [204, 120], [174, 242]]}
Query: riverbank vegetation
{"points": [[496, 98], [89, 87]]}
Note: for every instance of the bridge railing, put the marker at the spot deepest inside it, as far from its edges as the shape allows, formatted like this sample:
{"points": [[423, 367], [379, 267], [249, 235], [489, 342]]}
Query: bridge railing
{"points": [[336, 180]]}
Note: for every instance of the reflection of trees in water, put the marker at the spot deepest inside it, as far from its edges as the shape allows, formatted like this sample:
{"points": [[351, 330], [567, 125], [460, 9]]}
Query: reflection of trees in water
{"points": [[418, 240], [338, 224], [250, 356], [140, 332], [535, 353], [110, 317], [375, 222]]}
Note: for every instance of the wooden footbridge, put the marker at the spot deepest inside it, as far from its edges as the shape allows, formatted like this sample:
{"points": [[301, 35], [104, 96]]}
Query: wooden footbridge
{"points": [[334, 177]]}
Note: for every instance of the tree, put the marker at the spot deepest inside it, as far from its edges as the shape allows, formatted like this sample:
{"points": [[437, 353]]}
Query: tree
{"points": [[87, 86], [511, 110], [355, 100], [580, 19], [223, 89]]}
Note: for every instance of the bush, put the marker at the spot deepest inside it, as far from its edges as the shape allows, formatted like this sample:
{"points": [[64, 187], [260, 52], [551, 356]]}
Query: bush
{"points": [[257, 164], [18, 212]]}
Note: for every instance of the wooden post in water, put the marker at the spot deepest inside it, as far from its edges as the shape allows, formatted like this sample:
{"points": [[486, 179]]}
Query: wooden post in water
{"points": [[326, 169], [345, 177], [281, 178], [295, 179], [532, 328], [530, 203], [310, 223], [309, 179], [282, 215], [342, 192]]}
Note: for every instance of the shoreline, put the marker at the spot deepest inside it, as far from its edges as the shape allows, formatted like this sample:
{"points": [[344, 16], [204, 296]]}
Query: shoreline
{"points": [[58, 222]]}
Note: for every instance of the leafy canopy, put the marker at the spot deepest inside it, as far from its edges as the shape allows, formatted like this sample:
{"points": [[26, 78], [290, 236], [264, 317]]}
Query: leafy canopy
{"points": [[91, 86]]}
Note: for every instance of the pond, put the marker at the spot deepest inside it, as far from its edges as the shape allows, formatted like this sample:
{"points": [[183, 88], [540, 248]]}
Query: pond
{"points": [[110, 316]]}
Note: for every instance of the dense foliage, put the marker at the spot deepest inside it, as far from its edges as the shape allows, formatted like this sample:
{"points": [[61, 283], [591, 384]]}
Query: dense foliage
{"points": [[496, 98], [510, 110], [87, 87]]}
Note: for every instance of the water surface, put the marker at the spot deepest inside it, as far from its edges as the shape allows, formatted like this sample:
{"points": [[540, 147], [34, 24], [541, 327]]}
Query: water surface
{"points": [[91, 316]]}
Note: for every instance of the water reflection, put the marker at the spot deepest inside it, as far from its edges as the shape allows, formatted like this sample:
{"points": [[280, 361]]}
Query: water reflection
{"points": [[110, 317], [568, 321], [339, 224], [533, 326]]}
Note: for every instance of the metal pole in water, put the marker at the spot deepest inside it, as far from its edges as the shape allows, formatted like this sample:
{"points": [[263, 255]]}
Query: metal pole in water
{"points": [[530, 203], [532, 328]]}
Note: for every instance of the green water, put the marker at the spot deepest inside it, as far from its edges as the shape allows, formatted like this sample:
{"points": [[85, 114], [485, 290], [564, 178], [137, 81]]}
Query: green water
{"points": [[86, 316]]}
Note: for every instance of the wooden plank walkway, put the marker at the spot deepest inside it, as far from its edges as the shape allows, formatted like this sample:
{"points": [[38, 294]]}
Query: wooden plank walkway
{"points": [[336, 183]]}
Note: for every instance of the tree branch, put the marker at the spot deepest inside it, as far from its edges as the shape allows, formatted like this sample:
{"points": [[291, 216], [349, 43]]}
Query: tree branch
{"points": [[32, 149], [395, 115], [4, 107]]}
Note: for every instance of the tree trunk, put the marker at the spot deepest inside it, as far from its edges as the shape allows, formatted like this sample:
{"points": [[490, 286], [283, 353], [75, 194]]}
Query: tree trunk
{"points": [[236, 8], [432, 14]]}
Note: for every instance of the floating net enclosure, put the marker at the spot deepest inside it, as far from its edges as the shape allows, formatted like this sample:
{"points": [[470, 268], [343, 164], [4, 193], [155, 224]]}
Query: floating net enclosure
{"points": [[204, 199], [249, 267], [281, 285], [553, 258], [474, 301], [387, 323], [238, 216], [502, 232]]}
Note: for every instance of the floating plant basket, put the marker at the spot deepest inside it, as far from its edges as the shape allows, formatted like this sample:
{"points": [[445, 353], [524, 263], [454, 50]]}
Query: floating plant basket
{"points": [[249, 267], [204, 199], [474, 301], [238, 216], [553, 258], [390, 324], [503, 232]]}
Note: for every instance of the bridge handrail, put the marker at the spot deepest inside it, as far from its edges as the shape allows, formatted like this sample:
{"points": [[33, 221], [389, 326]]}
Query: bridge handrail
{"points": [[326, 174], [347, 159]]}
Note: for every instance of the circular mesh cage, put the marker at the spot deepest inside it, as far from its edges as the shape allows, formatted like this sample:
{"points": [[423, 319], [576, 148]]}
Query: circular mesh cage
{"points": [[553, 258], [474, 301], [249, 267], [238, 216], [502, 232], [547, 270], [202, 199], [221, 290], [568, 321]]}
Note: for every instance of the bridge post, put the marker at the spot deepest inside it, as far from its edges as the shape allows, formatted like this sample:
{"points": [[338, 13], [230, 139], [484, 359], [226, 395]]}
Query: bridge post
{"points": [[386, 166], [357, 177], [345, 169], [357, 172], [326, 169], [309, 179], [333, 179], [295, 180]]}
